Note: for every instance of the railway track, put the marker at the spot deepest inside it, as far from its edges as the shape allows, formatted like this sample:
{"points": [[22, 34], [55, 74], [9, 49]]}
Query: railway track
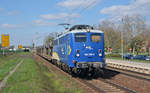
{"points": [[94, 85], [104, 86], [133, 74], [119, 88]]}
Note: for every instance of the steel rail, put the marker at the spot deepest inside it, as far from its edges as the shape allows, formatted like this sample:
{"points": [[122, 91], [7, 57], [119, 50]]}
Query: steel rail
{"points": [[131, 73]]}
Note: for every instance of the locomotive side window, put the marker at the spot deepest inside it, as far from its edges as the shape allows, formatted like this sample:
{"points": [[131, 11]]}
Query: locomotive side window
{"points": [[61, 40], [96, 37], [55, 42], [80, 37]]}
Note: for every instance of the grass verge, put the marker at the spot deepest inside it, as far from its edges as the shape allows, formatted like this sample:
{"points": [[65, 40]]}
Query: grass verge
{"points": [[33, 77], [7, 64]]}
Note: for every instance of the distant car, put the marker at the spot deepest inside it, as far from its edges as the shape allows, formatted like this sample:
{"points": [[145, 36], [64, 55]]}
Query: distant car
{"points": [[147, 58], [128, 56], [140, 57]]}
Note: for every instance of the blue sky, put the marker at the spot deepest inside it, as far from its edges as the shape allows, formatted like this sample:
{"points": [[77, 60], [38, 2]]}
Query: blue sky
{"points": [[30, 21]]}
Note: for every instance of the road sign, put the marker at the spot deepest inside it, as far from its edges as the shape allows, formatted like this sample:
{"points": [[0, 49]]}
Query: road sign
{"points": [[20, 46], [5, 40]]}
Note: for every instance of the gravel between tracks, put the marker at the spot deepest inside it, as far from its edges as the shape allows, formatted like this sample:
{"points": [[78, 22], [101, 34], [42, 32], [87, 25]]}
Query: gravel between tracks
{"points": [[139, 85]]}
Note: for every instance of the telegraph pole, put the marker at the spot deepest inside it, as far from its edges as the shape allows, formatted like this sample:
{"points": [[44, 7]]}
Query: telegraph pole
{"points": [[3, 51], [149, 51], [122, 41]]}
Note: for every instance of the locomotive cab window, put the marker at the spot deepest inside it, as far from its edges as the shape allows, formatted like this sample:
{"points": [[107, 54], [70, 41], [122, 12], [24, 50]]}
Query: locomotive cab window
{"points": [[96, 37], [80, 37]]}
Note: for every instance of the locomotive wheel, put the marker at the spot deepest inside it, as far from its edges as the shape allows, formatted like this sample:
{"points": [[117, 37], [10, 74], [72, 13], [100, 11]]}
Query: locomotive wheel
{"points": [[83, 72], [74, 72], [97, 72], [66, 68], [94, 72], [69, 70], [53, 61], [61, 67]]}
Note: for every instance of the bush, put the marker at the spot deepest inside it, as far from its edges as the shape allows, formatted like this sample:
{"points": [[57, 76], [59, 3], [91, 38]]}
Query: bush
{"points": [[113, 55]]}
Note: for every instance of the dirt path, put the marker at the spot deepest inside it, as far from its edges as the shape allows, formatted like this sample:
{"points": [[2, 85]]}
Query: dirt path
{"points": [[3, 82]]}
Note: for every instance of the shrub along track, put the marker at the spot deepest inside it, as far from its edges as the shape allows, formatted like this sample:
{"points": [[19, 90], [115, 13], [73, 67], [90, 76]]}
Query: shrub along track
{"points": [[90, 86]]}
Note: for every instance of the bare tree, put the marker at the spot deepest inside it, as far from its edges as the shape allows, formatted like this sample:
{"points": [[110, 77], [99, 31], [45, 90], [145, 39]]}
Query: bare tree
{"points": [[135, 33], [111, 35]]}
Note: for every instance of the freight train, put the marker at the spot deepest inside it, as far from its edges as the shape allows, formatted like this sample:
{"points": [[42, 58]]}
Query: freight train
{"points": [[79, 50]]}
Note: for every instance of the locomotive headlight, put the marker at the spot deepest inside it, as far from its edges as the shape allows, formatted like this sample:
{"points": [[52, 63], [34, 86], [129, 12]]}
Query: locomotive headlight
{"points": [[77, 55], [88, 30], [100, 54], [78, 52]]}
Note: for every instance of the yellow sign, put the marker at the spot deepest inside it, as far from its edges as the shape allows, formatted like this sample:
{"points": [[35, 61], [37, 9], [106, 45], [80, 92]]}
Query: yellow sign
{"points": [[122, 41], [20, 46], [5, 40]]}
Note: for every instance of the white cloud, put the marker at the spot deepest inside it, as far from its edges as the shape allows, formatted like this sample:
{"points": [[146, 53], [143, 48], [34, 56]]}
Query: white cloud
{"points": [[13, 12], [42, 23], [72, 4], [135, 7], [61, 16], [11, 26], [102, 19]]}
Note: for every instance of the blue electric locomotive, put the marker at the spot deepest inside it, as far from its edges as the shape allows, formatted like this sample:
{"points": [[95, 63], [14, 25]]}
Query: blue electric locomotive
{"points": [[79, 49]]}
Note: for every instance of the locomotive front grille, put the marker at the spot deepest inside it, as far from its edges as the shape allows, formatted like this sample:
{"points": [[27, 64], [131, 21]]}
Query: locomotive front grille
{"points": [[89, 64]]}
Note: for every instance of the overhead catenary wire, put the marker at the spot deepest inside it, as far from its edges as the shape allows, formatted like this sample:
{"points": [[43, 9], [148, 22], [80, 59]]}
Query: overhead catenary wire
{"points": [[88, 5], [84, 8]]}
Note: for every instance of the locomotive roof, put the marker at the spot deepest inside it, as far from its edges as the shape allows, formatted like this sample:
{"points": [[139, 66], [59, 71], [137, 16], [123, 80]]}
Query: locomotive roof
{"points": [[78, 31], [79, 27]]}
